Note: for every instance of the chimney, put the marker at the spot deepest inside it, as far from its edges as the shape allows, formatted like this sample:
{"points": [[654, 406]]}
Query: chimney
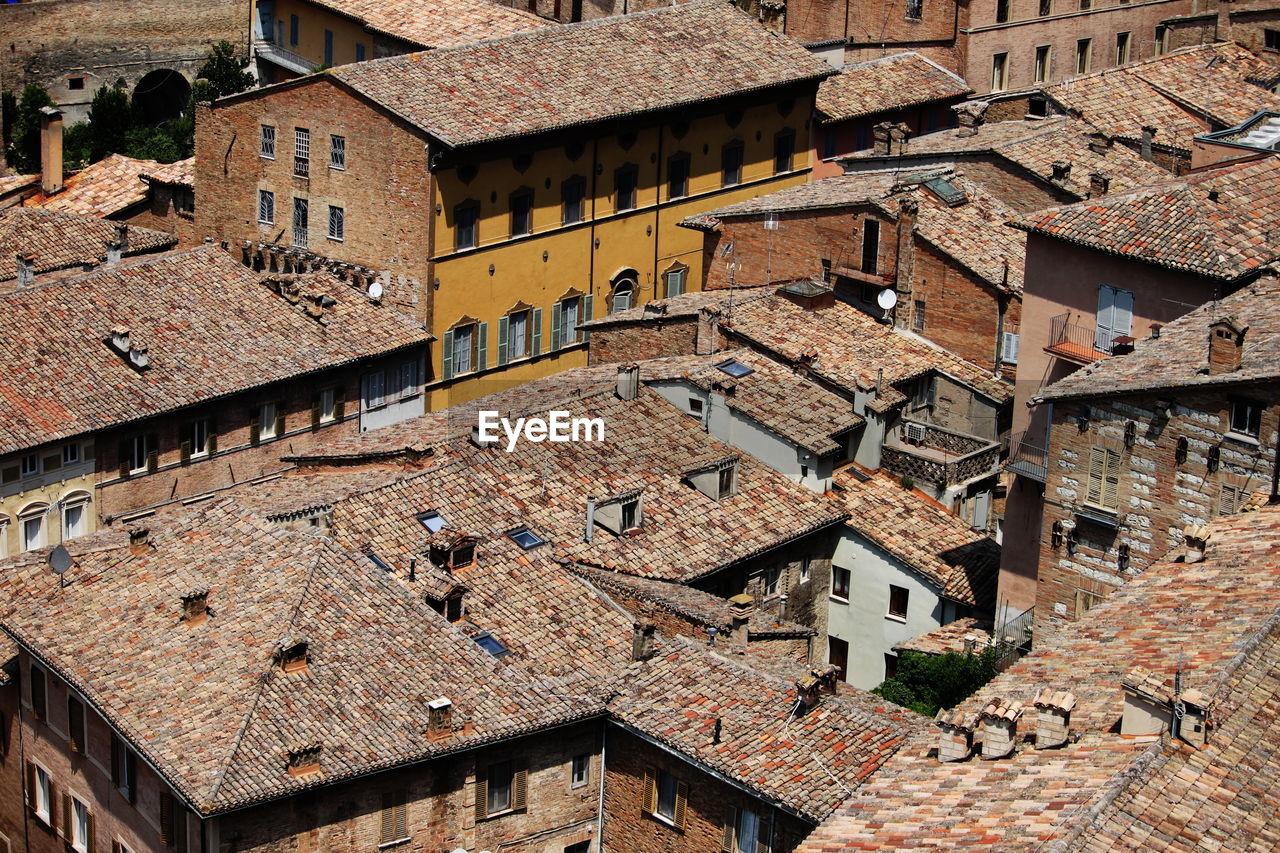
{"points": [[1196, 538], [908, 207], [641, 640], [590, 526], [139, 540], [1061, 170], [1193, 725], [628, 381], [50, 150], [291, 653], [120, 339], [1099, 143], [970, 116], [1223, 22], [1226, 345], [26, 269], [195, 607], [1000, 727], [117, 248], [1099, 184], [439, 718], [899, 133], [970, 644], [740, 609], [1053, 717], [809, 692], [881, 138], [1148, 134], [303, 759], [708, 340], [955, 741]]}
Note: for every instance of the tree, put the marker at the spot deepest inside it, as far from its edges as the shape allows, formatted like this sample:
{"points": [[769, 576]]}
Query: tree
{"points": [[110, 121], [24, 149], [224, 70], [928, 683]]}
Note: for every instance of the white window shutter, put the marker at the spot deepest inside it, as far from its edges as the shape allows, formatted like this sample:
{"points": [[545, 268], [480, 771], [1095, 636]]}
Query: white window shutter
{"points": [[1009, 354]]}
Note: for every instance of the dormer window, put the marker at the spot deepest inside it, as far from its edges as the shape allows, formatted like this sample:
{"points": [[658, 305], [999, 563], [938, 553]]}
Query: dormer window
{"points": [[728, 481], [291, 655], [620, 515], [717, 481]]}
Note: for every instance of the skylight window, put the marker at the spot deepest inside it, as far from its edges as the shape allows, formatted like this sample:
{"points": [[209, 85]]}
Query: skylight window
{"points": [[525, 538], [735, 368], [433, 521], [378, 561], [492, 645]]}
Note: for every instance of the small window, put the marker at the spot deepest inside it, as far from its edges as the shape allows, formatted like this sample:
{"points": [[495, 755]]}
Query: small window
{"points": [[525, 538], [772, 581], [567, 312], [394, 817], [499, 777], [727, 481], [139, 451], [79, 826], [198, 437], [631, 515], [293, 30], [301, 152], [337, 152], [267, 423], [890, 666], [999, 71], [1271, 39], [433, 521], [43, 794], [572, 193], [915, 9], [75, 84], [75, 518], [465, 217], [266, 207], [328, 47], [359, 53], [784, 149], [1123, 42], [267, 142], [463, 348], [123, 768], [32, 530], [871, 248], [1103, 478], [521, 212], [695, 407], [1046, 7], [375, 389], [70, 454], [517, 335], [301, 225], [806, 568], [462, 556], [734, 368], [624, 184], [838, 656], [1162, 38], [624, 292], [337, 223], [328, 405], [678, 176], [581, 771], [1232, 499], [30, 465], [668, 788], [1246, 418], [673, 282], [39, 694], [1002, 11], [840, 583], [731, 164], [1084, 55], [1041, 70], [917, 316], [898, 601]]}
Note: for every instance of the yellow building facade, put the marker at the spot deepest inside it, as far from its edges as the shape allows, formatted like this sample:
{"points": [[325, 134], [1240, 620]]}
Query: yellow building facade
{"points": [[46, 496]]}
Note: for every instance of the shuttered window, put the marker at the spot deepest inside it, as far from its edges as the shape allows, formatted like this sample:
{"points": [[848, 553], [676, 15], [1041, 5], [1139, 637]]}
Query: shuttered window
{"points": [[665, 797], [124, 768], [1104, 478], [746, 831], [500, 788], [394, 816], [75, 725], [1232, 499]]}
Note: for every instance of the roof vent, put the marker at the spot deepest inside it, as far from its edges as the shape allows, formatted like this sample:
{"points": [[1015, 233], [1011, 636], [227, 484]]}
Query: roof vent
{"points": [[642, 640], [1226, 345], [139, 540], [195, 607], [741, 607], [1061, 170], [439, 718], [1053, 717], [1000, 727], [26, 269], [955, 740], [292, 653], [1196, 537], [303, 759]]}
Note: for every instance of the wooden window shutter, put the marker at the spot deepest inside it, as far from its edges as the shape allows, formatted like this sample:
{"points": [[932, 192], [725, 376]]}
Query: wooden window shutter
{"points": [[520, 788], [131, 763], [588, 306], [315, 411], [730, 830], [280, 419], [116, 769], [39, 695], [764, 834], [123, 454], [67, 816], [650, 791], [388, 817], [504, 325], [1097, 468], [31, 785], [682, 802], [402, 815], [255, 426], [184, 452], [1111, 493], [166, 820], [75, 723], [535, 330], [446, 356], [339, 403], [482, 795], [91, 842], [153, 452]]}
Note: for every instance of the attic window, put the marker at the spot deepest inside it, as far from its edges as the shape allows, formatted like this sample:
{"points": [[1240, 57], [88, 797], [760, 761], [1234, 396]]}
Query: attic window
{"points": [[950, 194], [292, 655], [621, 514], [377, 561], [463, 555], [717, 481], [433, 521], [492, 645], [734, 368], [525, 538]]}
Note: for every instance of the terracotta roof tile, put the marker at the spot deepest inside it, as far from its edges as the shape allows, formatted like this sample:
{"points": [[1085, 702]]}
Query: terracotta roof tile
{"points": [[436, 23], [63, 240], [181, 173], [887, 83], [104, 189], [951, 637]]}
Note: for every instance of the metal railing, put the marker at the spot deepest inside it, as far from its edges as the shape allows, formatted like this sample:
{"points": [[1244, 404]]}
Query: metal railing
{"points": [[942, 456], [1073, 341], [1026, 458]]}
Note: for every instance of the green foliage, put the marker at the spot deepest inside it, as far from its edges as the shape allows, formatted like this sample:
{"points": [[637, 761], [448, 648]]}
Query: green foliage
{"points": [[928, 683], [77, 146], [23, 150], [110, 121], [8, 115], [224, 69]]}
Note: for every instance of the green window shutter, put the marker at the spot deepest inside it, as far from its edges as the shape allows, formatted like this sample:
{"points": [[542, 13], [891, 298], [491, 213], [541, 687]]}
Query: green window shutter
{"points": [[503, 324], [557, 327], [588, 303], [535, 322], [482, 346], [446, 356]]}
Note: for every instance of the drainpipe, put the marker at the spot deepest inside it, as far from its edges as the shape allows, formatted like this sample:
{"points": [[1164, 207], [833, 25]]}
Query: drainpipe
{"points": [[604, 743], [1274, 497]]}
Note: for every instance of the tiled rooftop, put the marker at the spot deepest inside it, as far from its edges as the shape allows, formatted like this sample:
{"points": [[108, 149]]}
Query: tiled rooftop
{"points": [[887, 83], [1176, 359], [16, 182], [973, 233], [1222, 223], [205, 704], [911, 527], [808, 761], [1033, 145], [104, 189], [1216, 622], [62, 240], [181, 173], [550, 77], [436, 23], [211, 327], [950, 637], [1181, 93]]}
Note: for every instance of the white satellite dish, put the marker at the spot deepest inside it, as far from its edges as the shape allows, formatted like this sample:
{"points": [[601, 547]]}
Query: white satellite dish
{"points": [[375, 290], [887, 298]]}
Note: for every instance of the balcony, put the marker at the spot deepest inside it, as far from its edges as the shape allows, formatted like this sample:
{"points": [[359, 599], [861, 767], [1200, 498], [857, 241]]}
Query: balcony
{"points": [[1026, 458], [932, 454], [286, 59], [1073, 342]]}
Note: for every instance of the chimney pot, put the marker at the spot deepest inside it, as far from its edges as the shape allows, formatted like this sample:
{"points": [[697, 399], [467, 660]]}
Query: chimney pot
{"points": [[955, 740], [740, 609], [139, 540], [195, 607], [1000, 727], [970, 115], [1053, 717], [880, 136], [26, 269], [642, 640], [1196, 537], [1061, 169]]}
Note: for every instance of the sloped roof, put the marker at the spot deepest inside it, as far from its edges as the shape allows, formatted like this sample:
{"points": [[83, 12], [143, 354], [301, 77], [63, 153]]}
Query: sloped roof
{"points": [[1178, 357], [887, 83], [180, 173], [105, 188], [62, 240], [950, 637], [550, 77], [1222, 223], [436, 23], [809, 762], [1216, 622], [964, 564], [205, 704], [211, 326]]}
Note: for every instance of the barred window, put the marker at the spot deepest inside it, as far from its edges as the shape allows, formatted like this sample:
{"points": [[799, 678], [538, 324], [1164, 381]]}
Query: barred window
{"points": [[337, 223], [300, 222], [266, 207], [337, 152], [267, 148], [301, 152]]}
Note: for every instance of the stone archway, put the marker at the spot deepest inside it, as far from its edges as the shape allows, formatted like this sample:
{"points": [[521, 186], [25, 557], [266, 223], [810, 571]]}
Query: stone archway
{"points": [[161, 95]]}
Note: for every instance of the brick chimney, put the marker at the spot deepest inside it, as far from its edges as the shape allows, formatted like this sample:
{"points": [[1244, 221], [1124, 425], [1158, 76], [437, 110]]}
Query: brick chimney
{"points": [[50, 150], [708, 339], [955, 740], [1000, 727], [139, 540], [1061, 171], [26, 269], [303, 759], [740, 609], [970, 115], [642, 640], [1099, 184], [439, 718], [880, 138], [1196, 539], [908, 207], [900, 133], [1226, 345], [1099, 143], [1053, 717], [1223, 22], [195, 607]]}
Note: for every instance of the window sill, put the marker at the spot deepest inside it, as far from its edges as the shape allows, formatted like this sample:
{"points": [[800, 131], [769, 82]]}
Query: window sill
{"points": [[665, 821], [838, 599], [333, 239], [503, 813], [893, 617], [1243, 438], [387, 845]]}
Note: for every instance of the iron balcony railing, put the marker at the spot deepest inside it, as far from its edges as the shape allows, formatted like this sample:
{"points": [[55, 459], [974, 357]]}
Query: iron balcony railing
{"points": [[1073, 341], [1026, 458]]}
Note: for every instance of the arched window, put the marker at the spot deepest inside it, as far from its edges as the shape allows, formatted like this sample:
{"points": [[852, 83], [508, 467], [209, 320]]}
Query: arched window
{"points": [[623, 295], [32, 530], [75, 514]]}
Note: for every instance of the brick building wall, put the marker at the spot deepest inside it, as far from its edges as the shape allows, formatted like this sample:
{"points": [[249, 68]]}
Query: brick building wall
{"points": [[636, 342], [168, 208], [385, 171], [235, 458], [11, 811], [1159, 491], [710, 800], [1245, 23], [872, 30]]}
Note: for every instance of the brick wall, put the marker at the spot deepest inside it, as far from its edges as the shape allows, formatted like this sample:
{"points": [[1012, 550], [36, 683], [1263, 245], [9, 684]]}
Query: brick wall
{"points": [[1011, 184], [235, 458], [627, 827], [11, 816], [164, 212], [635, 342], [1157, 494], [960, 311]]}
